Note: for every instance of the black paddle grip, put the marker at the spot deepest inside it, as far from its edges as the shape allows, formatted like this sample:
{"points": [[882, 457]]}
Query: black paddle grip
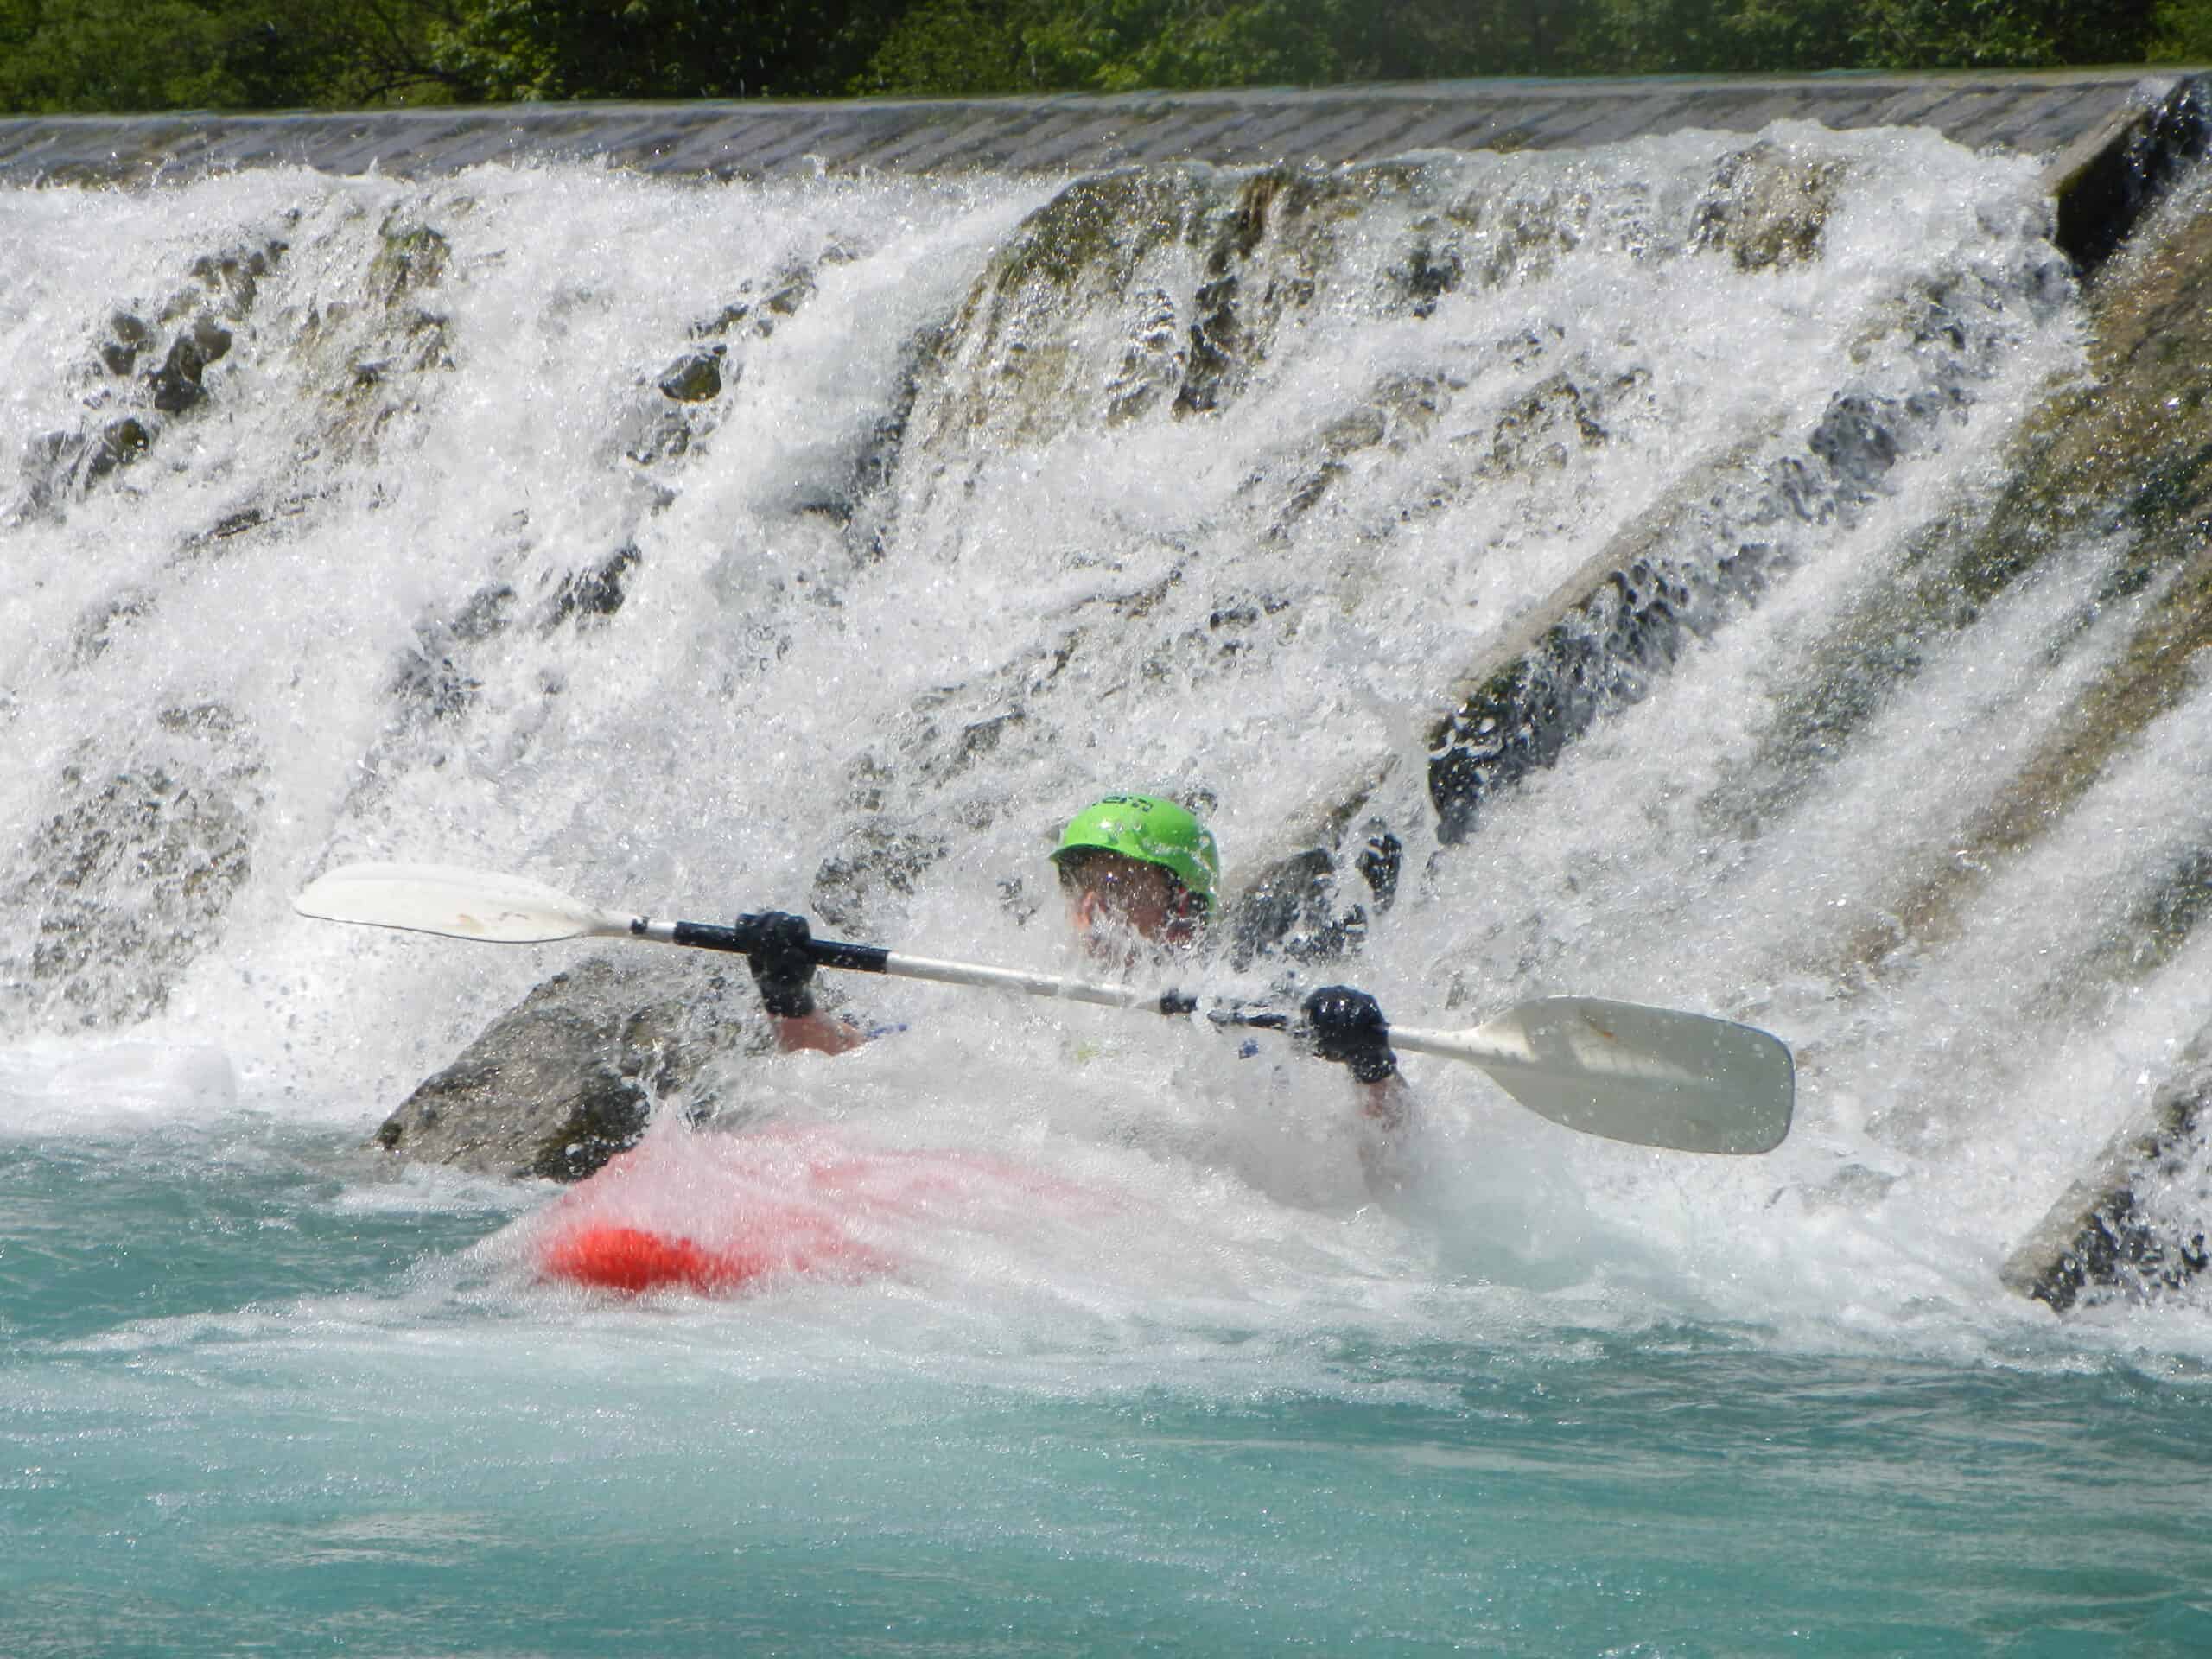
{"points": [[827, 953]]}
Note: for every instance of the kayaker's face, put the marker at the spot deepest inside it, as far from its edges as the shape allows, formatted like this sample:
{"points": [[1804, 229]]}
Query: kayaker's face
{"points": [[1117, 897]]}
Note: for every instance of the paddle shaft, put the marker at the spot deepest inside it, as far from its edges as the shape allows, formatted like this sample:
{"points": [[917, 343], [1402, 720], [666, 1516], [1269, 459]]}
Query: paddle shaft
{"points": [[1450, 1044], [1651, 1076], [874, 959], [1505, 1052], [1646, 1075]]}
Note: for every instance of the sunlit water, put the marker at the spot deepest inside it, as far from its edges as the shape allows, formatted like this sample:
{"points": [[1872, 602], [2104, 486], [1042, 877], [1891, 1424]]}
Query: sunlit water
{"points": [[1141, 1359]]}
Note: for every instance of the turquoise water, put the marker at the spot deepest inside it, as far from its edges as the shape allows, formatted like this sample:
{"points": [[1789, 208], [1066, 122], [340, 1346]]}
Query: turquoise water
{"points": [[259, 1398]]}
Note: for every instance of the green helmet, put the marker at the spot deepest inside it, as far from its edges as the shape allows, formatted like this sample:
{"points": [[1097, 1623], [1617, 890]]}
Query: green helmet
{"points": [[1151, 831]]}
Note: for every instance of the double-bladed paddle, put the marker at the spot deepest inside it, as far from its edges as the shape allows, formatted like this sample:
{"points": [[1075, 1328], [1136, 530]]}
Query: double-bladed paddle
{"points": [[1650, 1076]]}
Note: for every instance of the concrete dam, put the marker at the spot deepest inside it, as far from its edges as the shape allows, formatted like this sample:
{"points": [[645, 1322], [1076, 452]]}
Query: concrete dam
{"points": [[1735, 544]]}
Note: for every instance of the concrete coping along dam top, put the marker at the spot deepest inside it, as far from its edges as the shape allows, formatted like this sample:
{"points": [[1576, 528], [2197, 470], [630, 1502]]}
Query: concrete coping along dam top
{"points": [[2069, 118]]}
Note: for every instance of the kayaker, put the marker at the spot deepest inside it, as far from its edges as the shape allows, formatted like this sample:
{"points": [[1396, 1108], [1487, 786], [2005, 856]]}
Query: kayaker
{"points": [[1139, 873]]}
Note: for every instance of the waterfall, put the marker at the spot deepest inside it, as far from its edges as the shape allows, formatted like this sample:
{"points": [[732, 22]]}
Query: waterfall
{"points": [[1645, 539]]}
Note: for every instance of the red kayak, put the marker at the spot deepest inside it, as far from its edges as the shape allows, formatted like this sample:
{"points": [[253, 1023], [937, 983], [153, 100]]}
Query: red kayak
{"points": [[609, 1256], [716, 1213]]}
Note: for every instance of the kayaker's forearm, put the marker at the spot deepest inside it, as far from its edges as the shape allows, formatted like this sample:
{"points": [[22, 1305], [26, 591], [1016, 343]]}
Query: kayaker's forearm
{"points": [[820, 1032], [1387, 1104]]}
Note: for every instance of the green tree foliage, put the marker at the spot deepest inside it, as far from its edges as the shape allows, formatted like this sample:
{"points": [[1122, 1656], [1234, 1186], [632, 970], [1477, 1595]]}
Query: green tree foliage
{"points": [[59, 55], [664, 48], [1725, 36], [2181, 32], [1971, 34], [1003, 45], [1100, 46], [124, 54], [390, 51], [146, 55], [1772, 36]]}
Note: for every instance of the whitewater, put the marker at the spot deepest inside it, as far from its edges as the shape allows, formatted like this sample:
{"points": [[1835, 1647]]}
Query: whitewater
{"points": [[822, 545]]}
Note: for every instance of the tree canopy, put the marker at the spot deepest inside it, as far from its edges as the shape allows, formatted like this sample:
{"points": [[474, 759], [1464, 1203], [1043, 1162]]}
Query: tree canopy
{"points": [[92, 55]]}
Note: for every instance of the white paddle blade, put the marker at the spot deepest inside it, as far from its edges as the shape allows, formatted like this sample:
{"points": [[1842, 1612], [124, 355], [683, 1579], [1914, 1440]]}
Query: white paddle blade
{"points": [[1650, 1076], [457, 903]]}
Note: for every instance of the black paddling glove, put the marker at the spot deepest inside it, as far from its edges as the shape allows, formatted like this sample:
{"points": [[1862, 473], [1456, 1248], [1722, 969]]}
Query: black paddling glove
{"points": [[1347, 1027], [782, 965]]}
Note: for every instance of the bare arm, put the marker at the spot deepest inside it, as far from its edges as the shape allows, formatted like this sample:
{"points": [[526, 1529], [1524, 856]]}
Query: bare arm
{"points": [[1388, 1104], [783, 968], [817, 1032], [1346, 1027]]}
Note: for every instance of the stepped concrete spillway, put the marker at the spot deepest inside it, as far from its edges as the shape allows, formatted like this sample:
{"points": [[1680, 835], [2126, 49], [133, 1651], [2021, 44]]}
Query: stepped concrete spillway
{"points": [[2096, 128], [2107, 141]]}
